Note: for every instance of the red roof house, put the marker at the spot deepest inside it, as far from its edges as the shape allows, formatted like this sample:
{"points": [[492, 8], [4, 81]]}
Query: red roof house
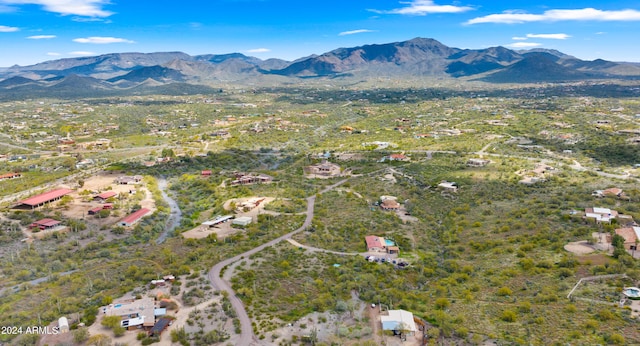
{"points": [[47, 197], [375, 243], [10, 176], [45, 224], [134, 217], [106, 195]]}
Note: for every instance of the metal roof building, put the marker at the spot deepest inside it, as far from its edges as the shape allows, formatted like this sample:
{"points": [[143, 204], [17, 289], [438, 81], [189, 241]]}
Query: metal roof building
{"points": [[399, 320], [41, 199], [134, 217]]}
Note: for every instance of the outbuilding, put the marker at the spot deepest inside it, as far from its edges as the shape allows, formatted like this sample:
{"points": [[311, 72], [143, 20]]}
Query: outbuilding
{"points": [[242, 221]]}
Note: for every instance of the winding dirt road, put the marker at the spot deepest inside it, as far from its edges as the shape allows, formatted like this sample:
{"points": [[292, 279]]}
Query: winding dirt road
{"points": [[247, 337]]}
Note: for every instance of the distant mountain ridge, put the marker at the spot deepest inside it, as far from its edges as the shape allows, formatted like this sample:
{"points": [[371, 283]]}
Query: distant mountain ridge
{"points": [[119, 72]]}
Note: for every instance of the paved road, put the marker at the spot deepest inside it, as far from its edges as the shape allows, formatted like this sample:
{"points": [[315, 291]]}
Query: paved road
{"points": [[247, 337], [34, 282]]}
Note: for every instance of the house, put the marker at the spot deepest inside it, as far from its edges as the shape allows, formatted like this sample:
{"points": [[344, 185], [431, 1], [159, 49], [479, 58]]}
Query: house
{"points": [[128, 180], [375, 243], [448, 186], [131, 219], [42, 199], [389, 203], [206, 173], [398, 157], [477, 162], [600, 214], [45, 224], [94, 211], [103, 197], [324, 169], [393, 250], [631, 237], [250, 179], [138, 313], [242, 221], [399, 322], [10, 176], [612, 192], [250, 204]]}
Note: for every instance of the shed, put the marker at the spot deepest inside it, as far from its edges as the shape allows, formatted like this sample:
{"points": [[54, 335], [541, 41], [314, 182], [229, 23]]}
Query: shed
{"points": [[63, 325], [242, 221]]}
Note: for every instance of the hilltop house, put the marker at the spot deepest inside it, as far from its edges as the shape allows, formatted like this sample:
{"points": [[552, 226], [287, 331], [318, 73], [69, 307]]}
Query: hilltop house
{"points": [[250, 179], [325, 169]]}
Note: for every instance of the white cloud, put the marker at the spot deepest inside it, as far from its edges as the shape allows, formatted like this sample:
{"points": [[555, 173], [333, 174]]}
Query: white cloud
{"points": [[82, 53], [550, 36], [41, 37], [4, 28], [86, 8], [518, 38], [259, 50], [53, 54], [101, 40], [524, 45], [584, 14], [423, 7], [353, 32]]}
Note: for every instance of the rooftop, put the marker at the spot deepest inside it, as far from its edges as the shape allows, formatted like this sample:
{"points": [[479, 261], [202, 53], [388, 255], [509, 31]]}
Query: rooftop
{"points": [[135, 216], [45, 197], [396, 319]]}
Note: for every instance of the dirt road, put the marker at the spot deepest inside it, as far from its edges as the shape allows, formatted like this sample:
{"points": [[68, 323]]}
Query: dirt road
{"points": [[247, 337]]}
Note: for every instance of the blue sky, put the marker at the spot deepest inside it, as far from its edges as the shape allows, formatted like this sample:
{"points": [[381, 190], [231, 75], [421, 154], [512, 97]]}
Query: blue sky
{"points": [[32, 31]]}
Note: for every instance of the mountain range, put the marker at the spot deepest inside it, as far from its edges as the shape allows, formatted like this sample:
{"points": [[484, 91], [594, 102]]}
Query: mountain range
{"points": [[419, 57]]}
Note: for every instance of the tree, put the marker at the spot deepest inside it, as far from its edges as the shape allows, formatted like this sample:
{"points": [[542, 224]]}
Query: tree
{"points": [[99, 340], [168, 152], [111, 321], [80, 335]]}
